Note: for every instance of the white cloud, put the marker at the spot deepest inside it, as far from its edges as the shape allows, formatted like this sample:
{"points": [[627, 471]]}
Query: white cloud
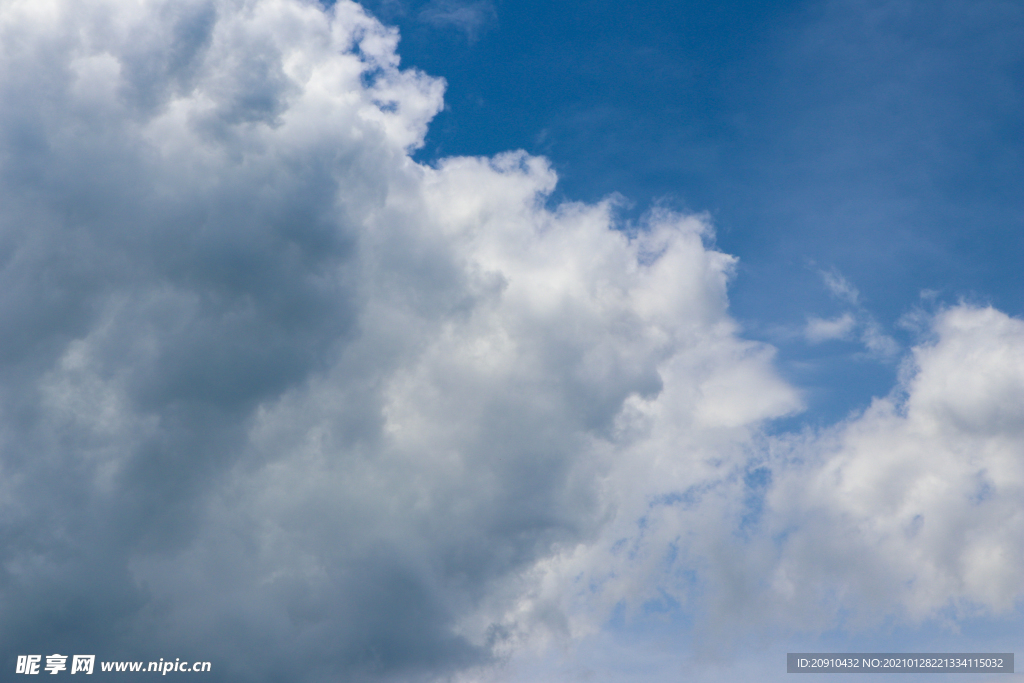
{"points": [[914, 507], [276, 395], [907, 513], [819, 329], [877, 343], [840, 287]]}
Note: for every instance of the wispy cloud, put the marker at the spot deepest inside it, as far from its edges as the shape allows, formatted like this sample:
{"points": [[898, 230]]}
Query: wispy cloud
{"points": [[857, 322], [840, 287], [472, 18], [819, 329]]}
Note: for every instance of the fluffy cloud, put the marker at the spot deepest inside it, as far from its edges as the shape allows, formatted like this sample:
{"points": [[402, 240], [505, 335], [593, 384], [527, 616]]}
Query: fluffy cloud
{"points": [[910, 511], [276, 396], [914, 507]]}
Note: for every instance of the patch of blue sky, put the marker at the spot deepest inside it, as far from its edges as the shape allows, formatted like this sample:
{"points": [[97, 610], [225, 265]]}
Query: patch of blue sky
{"points": [[756, 482], [879, 139]]}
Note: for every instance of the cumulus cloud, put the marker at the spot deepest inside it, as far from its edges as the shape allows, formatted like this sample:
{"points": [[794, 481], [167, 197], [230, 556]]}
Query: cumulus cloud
{"points": [[276, 396], [916, 503], [910, 511], [279, 397]]}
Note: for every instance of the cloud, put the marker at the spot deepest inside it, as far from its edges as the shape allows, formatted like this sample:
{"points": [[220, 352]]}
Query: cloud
{"points": [[278, 397], [819, 329], [905, 514], [840, 287], [914, 507], [473, 18], [878, 344]]}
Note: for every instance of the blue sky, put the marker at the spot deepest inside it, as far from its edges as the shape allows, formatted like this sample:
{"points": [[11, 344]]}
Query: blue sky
{"points": [[879, 139], [492, 342]]}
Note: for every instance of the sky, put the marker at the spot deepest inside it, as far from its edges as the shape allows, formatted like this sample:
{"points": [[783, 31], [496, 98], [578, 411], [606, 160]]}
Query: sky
{"points": [[811, 132], [491, 342]]}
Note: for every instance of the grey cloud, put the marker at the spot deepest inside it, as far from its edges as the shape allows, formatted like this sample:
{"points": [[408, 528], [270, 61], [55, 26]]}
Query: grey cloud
{"points": [[276, 396], [167, 54], [154, 298]]}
